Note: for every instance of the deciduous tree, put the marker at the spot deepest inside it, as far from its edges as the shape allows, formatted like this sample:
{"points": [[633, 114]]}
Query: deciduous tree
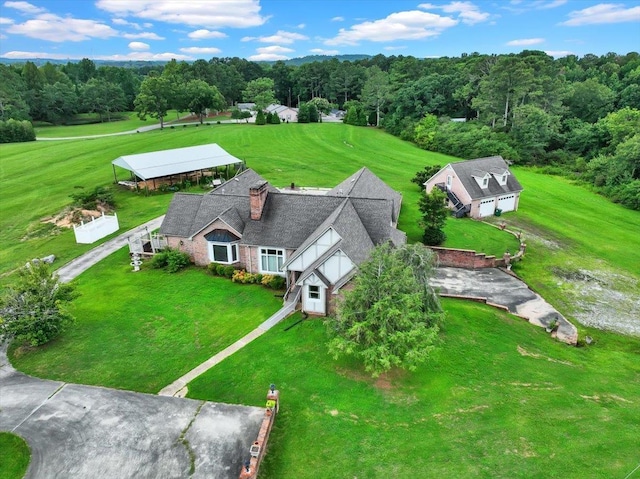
{"points": [[33, 310]]}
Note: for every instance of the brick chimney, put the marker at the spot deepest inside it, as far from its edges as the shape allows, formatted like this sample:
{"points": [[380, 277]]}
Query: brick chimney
{"points": [[257, 198]]}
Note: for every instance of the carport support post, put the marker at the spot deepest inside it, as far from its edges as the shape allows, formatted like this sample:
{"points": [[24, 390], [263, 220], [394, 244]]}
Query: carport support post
{"points": [[115, 177]]}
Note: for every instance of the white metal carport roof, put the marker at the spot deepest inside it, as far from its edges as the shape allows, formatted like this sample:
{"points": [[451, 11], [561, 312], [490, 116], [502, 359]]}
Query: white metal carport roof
{"points": [[178, 160]]}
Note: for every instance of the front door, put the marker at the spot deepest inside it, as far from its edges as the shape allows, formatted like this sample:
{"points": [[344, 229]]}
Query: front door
{"points": [[314, 299]]}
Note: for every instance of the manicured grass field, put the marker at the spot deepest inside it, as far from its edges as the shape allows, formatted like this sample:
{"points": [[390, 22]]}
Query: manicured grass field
{"points": [[14, 456], [38, 177], [499, 400], [131, 122], [141, 331]]}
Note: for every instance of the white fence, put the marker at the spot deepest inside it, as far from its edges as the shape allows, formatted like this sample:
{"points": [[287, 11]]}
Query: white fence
{"points": [[96, 229]]}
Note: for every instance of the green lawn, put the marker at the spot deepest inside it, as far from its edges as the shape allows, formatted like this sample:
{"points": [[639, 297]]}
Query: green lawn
{"points": [[498, 400], [130, 122], [14, 456], [38, 177], [141, 331]]}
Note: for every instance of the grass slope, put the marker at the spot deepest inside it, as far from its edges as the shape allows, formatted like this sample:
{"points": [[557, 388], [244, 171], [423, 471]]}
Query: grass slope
{"points": [[14, 456], [39, 177], [141, 331], [499, 400]]}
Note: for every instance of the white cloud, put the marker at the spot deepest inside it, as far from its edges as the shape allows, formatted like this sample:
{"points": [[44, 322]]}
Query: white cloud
{"points": [[25, 7], [139, 46], [274, 49], [337, 19], [145, 35], [6, 21], [3, 36], [248, 39], [553, 4], [144, 56], [147, 25], [603, 13], [123, 22], [204, 33], [407, 25], [468, 13], [559, 53], [525, 42], [200, 50], [320, 51], [57, 29], [267, 57], [301, 26], [389, 49], [281, 37], [218, 14]]}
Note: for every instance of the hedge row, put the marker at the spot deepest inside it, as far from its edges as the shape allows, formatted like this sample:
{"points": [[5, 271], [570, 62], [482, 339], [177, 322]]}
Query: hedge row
{"points": [[243, 277], [13, 131]]}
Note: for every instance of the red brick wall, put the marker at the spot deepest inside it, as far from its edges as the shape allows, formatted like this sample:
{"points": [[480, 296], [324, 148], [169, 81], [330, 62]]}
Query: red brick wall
{"points": [[464, 258]]}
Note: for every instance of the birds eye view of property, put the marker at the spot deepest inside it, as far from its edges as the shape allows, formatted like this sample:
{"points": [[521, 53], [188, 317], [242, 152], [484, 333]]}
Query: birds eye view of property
{"points": [[259, 239]]}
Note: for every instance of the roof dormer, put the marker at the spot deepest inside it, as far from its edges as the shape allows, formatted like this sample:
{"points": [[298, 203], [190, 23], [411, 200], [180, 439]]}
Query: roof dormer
{"points": [[482, 178], [501, 175]]}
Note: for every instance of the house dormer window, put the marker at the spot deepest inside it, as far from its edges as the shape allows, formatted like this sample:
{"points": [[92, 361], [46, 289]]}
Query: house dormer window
{"points": [[485, 182], [504, 179]]}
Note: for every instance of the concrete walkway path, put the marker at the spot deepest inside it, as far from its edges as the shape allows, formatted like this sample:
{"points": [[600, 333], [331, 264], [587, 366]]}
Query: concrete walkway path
{"points": [[82, 263], [178, 388], [497, 287]]}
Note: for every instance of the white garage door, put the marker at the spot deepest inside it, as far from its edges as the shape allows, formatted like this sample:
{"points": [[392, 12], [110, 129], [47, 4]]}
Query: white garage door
{"points": [[507, 203], [487, 207]]}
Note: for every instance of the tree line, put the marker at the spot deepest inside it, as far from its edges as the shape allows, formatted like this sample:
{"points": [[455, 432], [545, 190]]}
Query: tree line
{"points": [[576, 116]]}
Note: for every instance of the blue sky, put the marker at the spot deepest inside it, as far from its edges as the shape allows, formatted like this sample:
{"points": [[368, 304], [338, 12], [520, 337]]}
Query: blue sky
{"points": [[282, 29]]}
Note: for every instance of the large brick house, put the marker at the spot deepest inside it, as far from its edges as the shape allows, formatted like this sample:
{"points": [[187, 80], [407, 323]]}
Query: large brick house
{"points": [[315, 241], [478, 187]]}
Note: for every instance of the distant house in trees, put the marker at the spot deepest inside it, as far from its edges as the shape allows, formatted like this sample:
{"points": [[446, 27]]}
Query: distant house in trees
{"points": [[480, 188], [250, 107], [285, 113], [315, 241]]}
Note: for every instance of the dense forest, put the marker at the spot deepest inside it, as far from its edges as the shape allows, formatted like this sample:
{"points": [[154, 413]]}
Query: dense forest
{"points": [[574, 116]]}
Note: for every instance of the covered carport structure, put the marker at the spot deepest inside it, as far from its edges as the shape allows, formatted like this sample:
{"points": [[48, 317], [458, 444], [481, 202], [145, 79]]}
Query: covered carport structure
{"points": [[167, 164]]}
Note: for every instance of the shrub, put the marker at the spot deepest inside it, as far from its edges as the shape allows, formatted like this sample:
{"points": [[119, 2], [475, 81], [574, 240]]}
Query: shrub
{"points": [[433, 236], [273, 281], [16, 131], [171, 260], [228, 271]]}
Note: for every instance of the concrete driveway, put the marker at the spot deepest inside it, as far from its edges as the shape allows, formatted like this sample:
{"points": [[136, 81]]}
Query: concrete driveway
{"points": [[84, 431], [501, 288]]}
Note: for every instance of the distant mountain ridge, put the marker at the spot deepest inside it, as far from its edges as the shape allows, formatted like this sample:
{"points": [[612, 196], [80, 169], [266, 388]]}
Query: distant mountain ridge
{"points": [[141, 63]]}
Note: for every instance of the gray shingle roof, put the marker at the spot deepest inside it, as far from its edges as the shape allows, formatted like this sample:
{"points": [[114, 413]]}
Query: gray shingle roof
{"points": [[288, 220], [180, 215], [364, 184], [481, 166]]}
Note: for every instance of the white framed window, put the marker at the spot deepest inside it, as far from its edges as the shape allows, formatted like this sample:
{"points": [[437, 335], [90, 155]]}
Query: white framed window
{"points": [[485, 182], [271, 260], [449, 181], [504, 179], [314, 292], [225, 253]]}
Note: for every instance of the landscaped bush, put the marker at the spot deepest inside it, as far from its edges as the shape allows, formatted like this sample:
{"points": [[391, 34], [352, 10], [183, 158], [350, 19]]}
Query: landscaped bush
{"points": [[16, 131], [170, 260], [241, 276], [273, 281]]}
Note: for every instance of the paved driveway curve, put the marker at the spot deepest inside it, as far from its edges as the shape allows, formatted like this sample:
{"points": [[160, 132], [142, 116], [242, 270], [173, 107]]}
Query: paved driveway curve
{"points": [[85, 431], [501, 288]]}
